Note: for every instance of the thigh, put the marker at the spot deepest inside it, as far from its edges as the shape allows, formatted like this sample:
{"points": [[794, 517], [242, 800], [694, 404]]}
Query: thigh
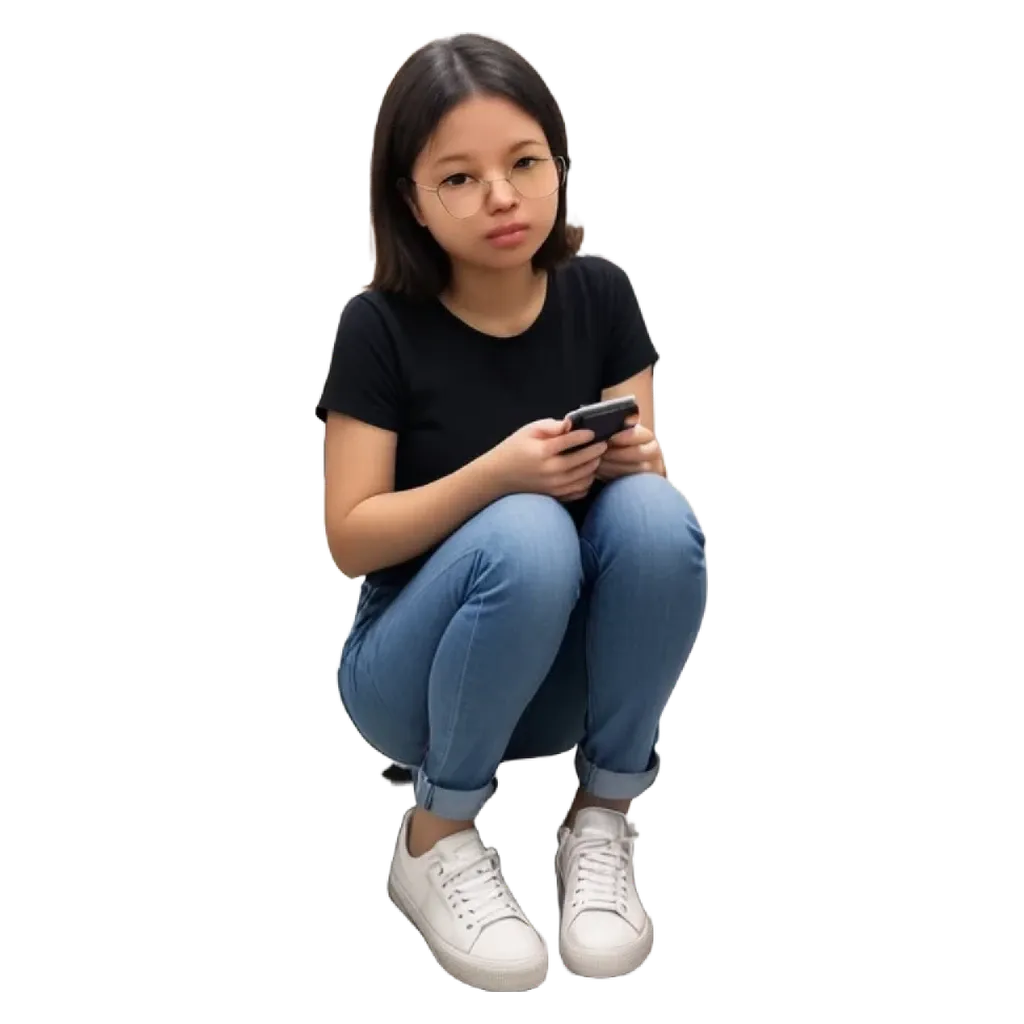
{"points": [[386, 666]]}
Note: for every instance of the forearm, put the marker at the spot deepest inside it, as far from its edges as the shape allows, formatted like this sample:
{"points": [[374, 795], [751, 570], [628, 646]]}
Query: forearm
{"points": [[388, 529]]}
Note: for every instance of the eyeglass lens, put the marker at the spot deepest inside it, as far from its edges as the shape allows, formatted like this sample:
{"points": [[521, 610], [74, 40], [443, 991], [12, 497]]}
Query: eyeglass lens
{"points": [[532, 178]]}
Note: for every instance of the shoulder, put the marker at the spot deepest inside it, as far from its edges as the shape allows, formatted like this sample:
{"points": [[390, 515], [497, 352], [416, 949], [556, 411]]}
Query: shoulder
{"points": [[360, 321], [373, 317], [367, 338], [599, 285], [594, 268], [597, 275], [365, 311]]}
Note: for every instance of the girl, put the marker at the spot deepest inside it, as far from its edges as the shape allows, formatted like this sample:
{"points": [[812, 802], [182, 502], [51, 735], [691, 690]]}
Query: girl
{"points": [[520, 600]]}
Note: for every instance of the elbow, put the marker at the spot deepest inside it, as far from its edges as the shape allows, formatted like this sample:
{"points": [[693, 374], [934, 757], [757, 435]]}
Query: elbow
{"points": [[346, 564], [342, 554]]}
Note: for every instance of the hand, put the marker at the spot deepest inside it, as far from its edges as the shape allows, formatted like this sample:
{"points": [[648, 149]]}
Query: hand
{"points": [[531, 460], [633, 450]]}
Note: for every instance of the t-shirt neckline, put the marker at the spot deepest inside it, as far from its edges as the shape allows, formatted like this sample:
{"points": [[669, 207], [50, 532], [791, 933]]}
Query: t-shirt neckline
{"points": [[538, 320]]}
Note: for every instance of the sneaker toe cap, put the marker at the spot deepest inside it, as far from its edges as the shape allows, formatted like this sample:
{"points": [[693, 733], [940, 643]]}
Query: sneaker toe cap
{"points": [[601, 929], [508, 940]]}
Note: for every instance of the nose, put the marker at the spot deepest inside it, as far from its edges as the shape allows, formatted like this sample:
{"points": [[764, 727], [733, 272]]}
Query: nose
{"points": [[502, 196]]}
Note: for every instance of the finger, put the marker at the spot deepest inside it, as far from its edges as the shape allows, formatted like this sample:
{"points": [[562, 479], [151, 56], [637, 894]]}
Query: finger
{"points": [[574, 495], [573, 438], [584, 474], [585, 456], [637, 434], [632, 464], [623, 456], [639, 451]]}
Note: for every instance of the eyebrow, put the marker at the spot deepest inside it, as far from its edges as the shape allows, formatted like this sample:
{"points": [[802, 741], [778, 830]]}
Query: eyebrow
{"points": [[465, 158]]}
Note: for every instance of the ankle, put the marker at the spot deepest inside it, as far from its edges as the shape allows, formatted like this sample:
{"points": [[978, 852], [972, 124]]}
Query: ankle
{"points": [[426, 830], [584, 799]]}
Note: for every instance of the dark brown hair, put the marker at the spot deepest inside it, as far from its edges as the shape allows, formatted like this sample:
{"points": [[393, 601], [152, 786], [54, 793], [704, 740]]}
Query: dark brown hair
{"points": [[430, 83]]}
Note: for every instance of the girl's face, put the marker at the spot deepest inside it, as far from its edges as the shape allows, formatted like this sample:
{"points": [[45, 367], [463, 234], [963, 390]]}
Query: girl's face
{"points": [[487, 138]]}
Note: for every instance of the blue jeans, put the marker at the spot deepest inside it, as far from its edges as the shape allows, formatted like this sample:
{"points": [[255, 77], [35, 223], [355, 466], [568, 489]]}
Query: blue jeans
{"points": [[523, 637]]}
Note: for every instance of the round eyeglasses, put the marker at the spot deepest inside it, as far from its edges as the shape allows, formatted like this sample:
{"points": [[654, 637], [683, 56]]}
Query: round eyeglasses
{"points": [[533, 177]]}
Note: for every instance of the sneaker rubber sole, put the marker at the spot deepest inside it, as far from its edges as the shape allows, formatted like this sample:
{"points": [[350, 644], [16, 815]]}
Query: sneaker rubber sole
{"points": [[489, 975]]}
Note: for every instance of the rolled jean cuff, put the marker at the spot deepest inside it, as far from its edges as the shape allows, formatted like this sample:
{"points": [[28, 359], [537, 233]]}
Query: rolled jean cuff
{"points": [[453, 804], [614, 785]]}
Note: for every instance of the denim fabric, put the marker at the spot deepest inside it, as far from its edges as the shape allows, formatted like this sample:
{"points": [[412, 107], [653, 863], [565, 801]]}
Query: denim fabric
{"points": [[523, 637]]}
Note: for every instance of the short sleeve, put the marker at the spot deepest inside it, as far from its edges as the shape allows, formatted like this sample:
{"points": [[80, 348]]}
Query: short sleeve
{"points": [[363, 380], [629, 348]]}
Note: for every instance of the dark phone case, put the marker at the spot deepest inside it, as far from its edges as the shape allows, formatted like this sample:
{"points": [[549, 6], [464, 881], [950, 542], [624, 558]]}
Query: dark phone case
{"points": [[604, 424]]}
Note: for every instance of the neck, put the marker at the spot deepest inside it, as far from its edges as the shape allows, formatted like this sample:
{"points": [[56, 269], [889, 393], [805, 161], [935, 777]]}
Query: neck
{"points": [[493, 293]]}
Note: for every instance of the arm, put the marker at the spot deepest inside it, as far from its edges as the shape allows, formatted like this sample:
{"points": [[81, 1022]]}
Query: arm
{"points": [[389, 528]]}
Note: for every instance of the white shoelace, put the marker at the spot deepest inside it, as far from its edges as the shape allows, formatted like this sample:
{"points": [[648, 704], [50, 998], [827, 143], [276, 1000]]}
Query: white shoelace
{"points": [[601, 863], [477, 892]]}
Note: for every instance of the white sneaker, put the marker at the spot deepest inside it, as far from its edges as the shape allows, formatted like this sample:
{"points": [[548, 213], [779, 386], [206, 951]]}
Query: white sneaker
{"points": [[458, 900], [605, 931]]}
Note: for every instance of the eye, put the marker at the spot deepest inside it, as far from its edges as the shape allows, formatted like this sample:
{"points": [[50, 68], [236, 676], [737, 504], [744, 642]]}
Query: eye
{"points": [[526, 162], [457, 180]]}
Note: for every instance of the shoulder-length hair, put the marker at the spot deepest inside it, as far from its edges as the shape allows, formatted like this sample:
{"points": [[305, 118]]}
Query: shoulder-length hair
{"points": [[429, 84]]}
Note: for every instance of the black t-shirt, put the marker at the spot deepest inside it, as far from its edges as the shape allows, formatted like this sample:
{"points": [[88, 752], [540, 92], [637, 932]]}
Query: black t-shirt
{"points": [[451, 392]]}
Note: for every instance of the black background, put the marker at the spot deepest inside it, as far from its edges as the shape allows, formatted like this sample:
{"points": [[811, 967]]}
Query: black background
{"points": [[834, 265]]}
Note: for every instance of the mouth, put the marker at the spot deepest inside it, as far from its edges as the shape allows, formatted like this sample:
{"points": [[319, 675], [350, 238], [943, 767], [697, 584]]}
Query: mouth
{"points": [[508, 229]]}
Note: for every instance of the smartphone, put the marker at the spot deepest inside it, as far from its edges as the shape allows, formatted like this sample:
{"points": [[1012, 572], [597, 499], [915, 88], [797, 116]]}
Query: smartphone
{"points": [[603, 418]]}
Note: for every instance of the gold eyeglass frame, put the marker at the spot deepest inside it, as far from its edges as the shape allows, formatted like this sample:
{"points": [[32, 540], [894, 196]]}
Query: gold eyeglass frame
{"points": [[561, 162]]}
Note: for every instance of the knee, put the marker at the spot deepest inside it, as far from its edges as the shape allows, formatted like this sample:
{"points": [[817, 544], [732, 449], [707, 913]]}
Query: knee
{"points": [[649, 521], [531, 543]]}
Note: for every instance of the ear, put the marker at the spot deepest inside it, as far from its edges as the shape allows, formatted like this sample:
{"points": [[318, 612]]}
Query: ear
{"points": [[408, 194], [416, 211]]}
